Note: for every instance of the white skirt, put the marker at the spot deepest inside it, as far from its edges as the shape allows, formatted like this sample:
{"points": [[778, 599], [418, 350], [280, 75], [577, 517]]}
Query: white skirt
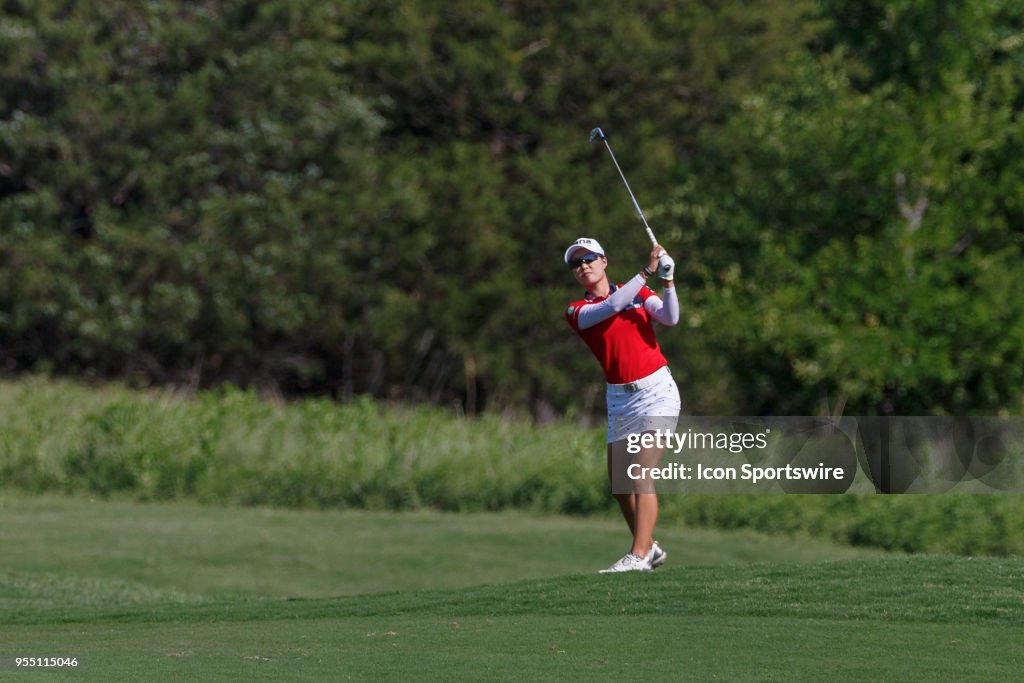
{"points": [[644, 405]]}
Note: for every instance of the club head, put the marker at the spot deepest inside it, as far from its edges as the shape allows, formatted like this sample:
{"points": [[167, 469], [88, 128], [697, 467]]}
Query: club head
{"points": [[596, 133]]}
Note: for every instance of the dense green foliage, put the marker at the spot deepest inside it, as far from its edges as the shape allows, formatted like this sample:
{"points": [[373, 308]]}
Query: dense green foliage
{"points": [[868, 203], [229, 447], [355, 197]]}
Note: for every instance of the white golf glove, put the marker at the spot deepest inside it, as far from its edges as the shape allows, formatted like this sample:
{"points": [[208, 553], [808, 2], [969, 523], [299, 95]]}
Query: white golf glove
{"points": [[666, 267]]}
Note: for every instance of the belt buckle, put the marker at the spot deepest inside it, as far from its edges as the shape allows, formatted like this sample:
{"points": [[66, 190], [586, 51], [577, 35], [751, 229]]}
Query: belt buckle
{"points": [[631, 388]]}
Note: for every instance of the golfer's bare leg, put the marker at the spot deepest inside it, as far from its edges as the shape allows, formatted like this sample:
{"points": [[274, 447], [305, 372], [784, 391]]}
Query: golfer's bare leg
{"points": [[626, 501], [646, 518], [639, 507], [645, 506]]}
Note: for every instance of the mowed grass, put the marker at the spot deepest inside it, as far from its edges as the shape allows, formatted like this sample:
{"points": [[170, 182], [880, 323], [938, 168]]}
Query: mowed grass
{"points": [[185, 592], [189, 549]]}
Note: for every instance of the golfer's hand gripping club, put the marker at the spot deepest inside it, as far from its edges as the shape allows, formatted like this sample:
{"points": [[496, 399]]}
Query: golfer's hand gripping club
{"points": [[666, 267], [598, 133], [660, 263]]}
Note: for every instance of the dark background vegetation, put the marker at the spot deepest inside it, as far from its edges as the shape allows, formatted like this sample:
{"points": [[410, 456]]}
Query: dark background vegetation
{"points": [[372, 197]]}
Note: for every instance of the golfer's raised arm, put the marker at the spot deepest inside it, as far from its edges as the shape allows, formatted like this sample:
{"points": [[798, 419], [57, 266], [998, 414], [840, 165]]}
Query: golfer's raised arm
{"points": [[592, 314], [664, 311]]}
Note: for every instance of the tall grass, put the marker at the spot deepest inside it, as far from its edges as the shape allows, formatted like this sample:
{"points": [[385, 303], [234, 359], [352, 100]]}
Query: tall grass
{"points": [[231, 447]]}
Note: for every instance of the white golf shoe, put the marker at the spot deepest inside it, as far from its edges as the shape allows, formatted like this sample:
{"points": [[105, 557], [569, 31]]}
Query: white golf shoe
{"points": [[658, 556], [630, 563]]}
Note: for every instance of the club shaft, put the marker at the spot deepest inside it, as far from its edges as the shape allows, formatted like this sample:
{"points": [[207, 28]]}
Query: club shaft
{"points": [[636, 205]]}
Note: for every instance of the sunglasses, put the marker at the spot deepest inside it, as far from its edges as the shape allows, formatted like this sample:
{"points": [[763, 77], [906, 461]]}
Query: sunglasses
{"points": [[577, 262]]}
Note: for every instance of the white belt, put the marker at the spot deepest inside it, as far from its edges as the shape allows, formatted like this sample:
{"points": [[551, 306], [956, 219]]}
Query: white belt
{"points": [[643, 383]]}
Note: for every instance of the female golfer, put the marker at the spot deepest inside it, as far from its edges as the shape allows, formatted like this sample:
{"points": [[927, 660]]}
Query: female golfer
{"points": [[615, 321]]}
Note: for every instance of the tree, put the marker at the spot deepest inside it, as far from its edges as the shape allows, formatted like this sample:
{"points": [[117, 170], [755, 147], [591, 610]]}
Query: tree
{"points": [[868, 251]]}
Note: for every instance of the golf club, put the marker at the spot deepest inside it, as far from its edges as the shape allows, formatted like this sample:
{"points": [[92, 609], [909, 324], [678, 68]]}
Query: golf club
{"points": [[598, 133]]}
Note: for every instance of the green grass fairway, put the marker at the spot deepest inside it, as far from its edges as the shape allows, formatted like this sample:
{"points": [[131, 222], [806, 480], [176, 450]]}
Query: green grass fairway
{"points": [[180, 592]]}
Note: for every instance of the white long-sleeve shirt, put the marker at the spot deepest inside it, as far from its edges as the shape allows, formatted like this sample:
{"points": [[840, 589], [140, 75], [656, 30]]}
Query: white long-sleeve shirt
{"points": [[665, 311]]}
